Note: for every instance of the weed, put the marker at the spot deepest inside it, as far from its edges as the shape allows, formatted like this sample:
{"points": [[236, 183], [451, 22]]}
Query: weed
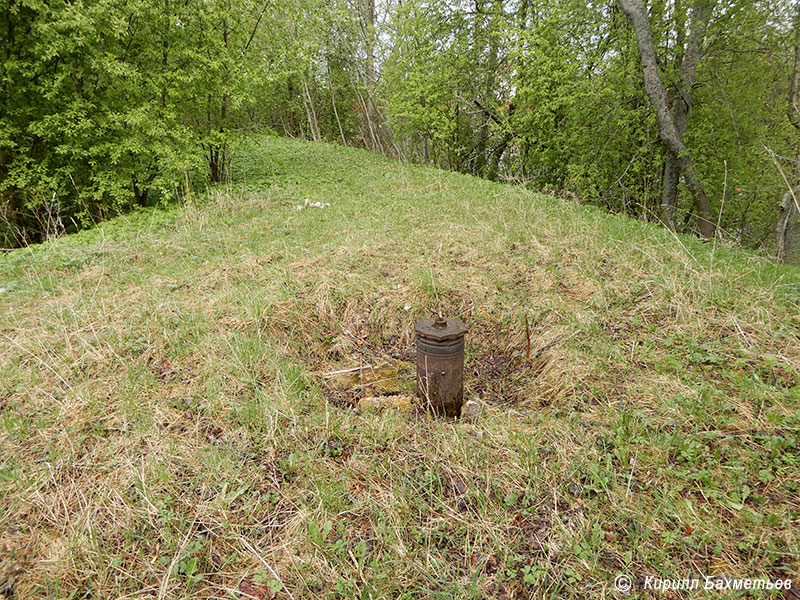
{"points": [[163, 397]]}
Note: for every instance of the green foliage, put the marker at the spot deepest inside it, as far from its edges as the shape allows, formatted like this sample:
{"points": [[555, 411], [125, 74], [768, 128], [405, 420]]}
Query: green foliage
{"points": [[552, 95], [107, 105]]}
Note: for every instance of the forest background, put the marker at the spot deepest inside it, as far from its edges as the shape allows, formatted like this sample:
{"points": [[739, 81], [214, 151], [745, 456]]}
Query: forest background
{"points": [[679, 111]]}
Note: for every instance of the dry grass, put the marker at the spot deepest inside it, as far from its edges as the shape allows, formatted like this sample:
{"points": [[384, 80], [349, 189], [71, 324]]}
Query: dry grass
{"points": [[168, 433]]}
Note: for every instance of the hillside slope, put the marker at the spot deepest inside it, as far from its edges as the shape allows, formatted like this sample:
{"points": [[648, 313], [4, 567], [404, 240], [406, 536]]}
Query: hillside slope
{"points": [[168, 429]]}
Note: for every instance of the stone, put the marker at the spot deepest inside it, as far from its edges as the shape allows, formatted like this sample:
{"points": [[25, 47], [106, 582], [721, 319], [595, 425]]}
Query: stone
{"points": [[471, 409], [382, 378], [370, 404], [402, 403]]}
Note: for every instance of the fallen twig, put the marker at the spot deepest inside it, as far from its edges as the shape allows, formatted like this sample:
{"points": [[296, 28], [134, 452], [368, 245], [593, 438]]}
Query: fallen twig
{"points": [[343, 371]]}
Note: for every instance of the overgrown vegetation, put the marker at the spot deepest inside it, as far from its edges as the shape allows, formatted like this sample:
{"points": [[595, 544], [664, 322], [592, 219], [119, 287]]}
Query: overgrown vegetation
{"points": [[165, 429], [552, 94], [106, 105]]}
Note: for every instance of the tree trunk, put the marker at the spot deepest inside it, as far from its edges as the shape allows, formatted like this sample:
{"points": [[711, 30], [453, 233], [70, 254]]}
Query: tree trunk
{"points": [[668, 127], [217, 156], [139, 195], [485, 27], [789, 203], [335, 110], [786, 210], [371, 114], [681, 99], [313, 125], [291, 120], [669, 196], [368, 8]]}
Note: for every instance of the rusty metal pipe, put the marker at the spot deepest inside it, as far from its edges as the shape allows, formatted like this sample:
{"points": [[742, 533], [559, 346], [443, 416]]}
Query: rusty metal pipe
{"points": [[440, 364]]}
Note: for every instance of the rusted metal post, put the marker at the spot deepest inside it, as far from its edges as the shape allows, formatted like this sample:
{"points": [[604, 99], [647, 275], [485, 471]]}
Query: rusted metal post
{"points": [[440, 364]]}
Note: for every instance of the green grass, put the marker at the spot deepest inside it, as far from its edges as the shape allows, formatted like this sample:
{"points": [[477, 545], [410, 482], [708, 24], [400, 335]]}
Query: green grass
{"points": [[166, 430]]}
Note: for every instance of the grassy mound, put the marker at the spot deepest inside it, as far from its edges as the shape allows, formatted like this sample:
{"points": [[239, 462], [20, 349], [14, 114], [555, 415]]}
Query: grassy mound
{"points": [[168, 430]]}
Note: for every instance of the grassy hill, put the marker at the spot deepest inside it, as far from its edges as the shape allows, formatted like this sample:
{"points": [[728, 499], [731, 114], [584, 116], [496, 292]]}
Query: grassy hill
{"points": [[168, 429]]}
